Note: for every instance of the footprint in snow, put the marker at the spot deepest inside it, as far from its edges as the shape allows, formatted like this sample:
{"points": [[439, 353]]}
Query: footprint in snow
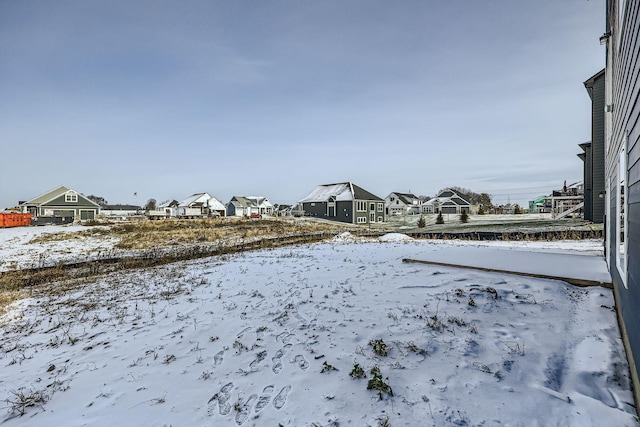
{"points": [[264, 399], [217, 358], [223, 399], [277, 359], [242, 332], [281, 398], [301, 362], [285, 337], [259, 358], [245, 410]]}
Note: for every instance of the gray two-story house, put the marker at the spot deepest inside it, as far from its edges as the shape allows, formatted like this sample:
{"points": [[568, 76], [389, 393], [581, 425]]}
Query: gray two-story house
{"points": [[344, 202]]}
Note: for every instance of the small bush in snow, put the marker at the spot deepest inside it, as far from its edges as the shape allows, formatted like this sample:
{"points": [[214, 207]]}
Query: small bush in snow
{"points": [[326, 367], [381, 385], [379, 347], [357, 372]]}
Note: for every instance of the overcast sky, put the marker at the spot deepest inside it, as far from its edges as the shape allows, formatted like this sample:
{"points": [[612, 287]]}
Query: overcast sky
{"points": [[271, 98]]}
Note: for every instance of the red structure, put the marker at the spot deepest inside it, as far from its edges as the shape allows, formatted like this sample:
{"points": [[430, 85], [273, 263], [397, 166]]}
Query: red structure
{"points": [[12, 219]]}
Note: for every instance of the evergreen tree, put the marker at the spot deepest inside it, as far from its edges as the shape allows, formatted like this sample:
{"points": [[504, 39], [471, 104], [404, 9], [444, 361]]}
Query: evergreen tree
{"points": [[422, 223], [481, 210], [440, 219], [464, 217], [517, 210]]}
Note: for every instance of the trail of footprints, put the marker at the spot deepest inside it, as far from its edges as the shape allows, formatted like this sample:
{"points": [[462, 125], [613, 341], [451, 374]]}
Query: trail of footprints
{"points": [[254, 404], [221, 401]]}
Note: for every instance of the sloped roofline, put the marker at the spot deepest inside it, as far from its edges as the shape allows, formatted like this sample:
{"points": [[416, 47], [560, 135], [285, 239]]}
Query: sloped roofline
{"points": [[55, 194]]}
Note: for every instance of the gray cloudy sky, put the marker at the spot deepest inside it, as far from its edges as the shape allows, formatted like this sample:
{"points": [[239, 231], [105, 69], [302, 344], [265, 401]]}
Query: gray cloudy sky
{"points": [[165, 99]]}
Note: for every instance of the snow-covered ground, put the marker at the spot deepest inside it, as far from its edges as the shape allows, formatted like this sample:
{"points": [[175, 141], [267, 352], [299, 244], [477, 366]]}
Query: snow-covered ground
{"points": [[16, 252], [272, 337]]}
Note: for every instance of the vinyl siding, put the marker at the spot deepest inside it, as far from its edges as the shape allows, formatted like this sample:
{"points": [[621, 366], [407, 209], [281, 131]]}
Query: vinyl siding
{"points": [[597, 150], [624, 49]]}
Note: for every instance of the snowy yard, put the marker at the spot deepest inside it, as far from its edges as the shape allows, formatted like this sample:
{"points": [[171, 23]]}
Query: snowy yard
{"points": [[276, 337]]}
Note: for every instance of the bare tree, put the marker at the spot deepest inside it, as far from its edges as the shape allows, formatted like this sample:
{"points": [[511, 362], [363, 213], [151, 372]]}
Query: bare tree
{"points": [[151, 205]]}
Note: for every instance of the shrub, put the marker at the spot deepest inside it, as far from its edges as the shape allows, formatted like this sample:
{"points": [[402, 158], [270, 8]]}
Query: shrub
{"points": [[440, 219], [357, 372], [378, 383], [464, 217], [422, 223], [379, 347]]}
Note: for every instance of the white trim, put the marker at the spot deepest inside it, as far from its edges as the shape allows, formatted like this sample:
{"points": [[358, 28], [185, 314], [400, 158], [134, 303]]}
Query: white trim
{"points": [[622, 217]]}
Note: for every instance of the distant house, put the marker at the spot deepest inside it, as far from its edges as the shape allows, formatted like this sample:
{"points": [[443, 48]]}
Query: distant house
{"points": [[448, 201], [248, 206], [593, 154], [539, 205], [120, 210], [402, 204], [344, 202], [166, 209], [200, 205], [61, 204], [283, 210]]}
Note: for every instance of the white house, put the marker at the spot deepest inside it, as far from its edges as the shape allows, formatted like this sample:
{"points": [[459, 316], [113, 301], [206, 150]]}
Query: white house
{"points": [[249, 205], [402, 204], [202, 204]]}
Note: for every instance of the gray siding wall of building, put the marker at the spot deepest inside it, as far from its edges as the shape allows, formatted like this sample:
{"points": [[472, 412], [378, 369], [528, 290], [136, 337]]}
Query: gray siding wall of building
{"points": [[597, 149], [588, 183], [624, 47], [343, 211], [60, 201]]}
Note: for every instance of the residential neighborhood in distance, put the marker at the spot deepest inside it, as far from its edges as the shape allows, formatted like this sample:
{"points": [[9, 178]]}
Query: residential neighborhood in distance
{"points": [[343, 202]]}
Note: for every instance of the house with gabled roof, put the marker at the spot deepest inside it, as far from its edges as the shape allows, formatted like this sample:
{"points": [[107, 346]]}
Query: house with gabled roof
{"points": [[344, 202], [249, 206], [448, 201], [62, 204], [402, 204], [200, 204]]}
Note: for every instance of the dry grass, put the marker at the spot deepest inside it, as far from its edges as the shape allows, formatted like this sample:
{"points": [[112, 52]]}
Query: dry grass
{"points": [[157, 243], [166, 233]]}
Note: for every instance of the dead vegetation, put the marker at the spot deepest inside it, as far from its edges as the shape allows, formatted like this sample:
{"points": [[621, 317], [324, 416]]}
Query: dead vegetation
{"points": [[152, 243], [153, 234]]}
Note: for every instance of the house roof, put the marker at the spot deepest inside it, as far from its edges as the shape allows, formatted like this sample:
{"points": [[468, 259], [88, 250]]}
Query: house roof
{"points": [[247, 201], [459, 201], [407, 198], [342, 191], [194, 198], [453, 193], [54, 194], [168, 204]]}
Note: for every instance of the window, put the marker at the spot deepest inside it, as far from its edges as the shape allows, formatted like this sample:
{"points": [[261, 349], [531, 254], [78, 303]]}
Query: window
{"points": [[392, 199], [361, 219], [622, 5], [380, 207], [372, 207], [361, 206], [71, 198], [621, 217], [372, 216], [379, 219]]}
